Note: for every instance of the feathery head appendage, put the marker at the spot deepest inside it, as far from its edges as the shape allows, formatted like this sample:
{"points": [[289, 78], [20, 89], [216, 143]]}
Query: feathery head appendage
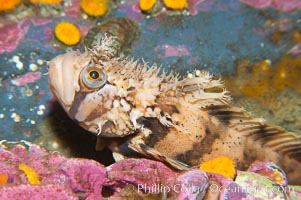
{"points": [[202, 90], [172, 77]]}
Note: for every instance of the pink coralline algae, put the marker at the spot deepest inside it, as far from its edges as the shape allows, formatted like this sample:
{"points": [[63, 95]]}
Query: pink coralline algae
{"points": [[258, 3], [170, 50], [295, 50], [11, 35], [192, 6], [72, 178], [73, 10], [40, 21], [51, 191], [281, 5], [144, 170], [60, 177], [29, 77]]}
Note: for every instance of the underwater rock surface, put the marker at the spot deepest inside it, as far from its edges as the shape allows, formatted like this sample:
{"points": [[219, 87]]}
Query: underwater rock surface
{"points": [[215, 36], [28, 171]]}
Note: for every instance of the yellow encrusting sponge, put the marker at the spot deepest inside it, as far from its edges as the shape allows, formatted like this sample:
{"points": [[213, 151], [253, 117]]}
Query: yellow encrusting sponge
{"points": [[146, 5], [175, 4], [8, 5], [31, 174], [67, 33], [94, 8], [46, 1], [221, 165]]}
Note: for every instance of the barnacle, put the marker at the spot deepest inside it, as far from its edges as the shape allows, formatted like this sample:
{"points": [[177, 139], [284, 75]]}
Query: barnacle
{"points": [[123, 33], [146, 5], [67, 33], [175, 4], [94, 8], [46, 1], [221, 165], [31, 174], [8, 5]]}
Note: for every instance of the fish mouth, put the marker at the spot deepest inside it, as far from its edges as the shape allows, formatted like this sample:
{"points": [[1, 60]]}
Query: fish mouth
{"points": [[63, 77]]}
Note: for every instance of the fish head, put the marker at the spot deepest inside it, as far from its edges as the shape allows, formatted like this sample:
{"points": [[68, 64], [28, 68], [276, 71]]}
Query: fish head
{"points": [[80, 85], [63, 77]]}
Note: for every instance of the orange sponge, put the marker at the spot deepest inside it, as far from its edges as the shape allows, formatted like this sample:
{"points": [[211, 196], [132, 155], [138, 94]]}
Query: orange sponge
{"points": [[221, 165], [67, 33]]}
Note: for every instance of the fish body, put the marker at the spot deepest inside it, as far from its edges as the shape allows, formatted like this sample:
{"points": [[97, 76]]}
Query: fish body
{"points": [[180, 121]]}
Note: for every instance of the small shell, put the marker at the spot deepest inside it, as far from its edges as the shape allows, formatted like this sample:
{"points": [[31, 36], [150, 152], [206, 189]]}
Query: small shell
{"points": [[294, 192], [234, 191], [225, 188], [270, 170], [191, 185], [260, 186]]}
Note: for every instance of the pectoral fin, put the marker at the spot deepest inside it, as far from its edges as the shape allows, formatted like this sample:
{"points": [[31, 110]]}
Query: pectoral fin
{"points": [[151, 153], [118, 156], [99, 144]]}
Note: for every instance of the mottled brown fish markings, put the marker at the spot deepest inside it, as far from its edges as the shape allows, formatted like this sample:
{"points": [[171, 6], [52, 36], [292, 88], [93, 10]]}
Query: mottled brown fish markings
{"points": [[182, 122]]}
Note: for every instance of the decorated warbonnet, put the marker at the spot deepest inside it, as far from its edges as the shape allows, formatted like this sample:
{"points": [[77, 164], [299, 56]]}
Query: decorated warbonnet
{"points": [[180, 121]]}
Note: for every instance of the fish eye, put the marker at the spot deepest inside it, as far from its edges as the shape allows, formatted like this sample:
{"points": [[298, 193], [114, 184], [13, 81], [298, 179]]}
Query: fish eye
{"points": [[93, 77]]}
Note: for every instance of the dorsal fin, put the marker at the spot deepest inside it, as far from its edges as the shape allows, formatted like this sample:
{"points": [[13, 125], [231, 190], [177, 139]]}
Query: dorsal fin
{"points": [[286, 143], [281, 141]]}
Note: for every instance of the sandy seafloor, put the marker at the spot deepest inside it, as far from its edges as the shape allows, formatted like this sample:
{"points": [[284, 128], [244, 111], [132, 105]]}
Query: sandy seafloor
{"points": [[214, 37]]}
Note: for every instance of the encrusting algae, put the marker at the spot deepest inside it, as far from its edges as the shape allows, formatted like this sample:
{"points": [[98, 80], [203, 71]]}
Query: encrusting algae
{"points": [[287, 73], [94, 8], [67, 33], [221, 165], [175, 4], [8, 5], [263, 81], [31, 174]]}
